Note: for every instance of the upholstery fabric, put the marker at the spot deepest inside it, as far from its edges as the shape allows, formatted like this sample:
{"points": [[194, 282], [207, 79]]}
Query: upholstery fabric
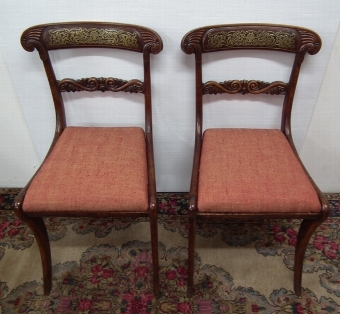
{"points": [[92, 168], [246, 170]]}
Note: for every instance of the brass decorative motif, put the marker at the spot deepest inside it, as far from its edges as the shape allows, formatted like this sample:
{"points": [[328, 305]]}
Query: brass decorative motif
{"points": [[101, 84], [245, 87], [88, 36], [251, 38]]}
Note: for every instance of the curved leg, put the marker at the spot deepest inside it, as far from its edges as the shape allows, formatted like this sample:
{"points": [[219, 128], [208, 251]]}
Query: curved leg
{"points": [[37, 225], [154, 246], [306, 230], [191, 253]]}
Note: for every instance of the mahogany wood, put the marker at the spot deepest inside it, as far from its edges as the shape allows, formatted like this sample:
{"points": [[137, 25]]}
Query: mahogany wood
{"points": [[286, 38], [135, 38]]}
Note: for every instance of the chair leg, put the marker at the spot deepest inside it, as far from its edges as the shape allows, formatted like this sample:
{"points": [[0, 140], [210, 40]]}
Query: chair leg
{"points": [[37, 225], [191, 252], [306, 231], [154, 248]]}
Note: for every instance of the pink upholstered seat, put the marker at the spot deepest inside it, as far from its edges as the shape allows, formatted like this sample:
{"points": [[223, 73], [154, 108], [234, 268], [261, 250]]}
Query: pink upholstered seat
{"points": [[247, 170], [105, 168]]}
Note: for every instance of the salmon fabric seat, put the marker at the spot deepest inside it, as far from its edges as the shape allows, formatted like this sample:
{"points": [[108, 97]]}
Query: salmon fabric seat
{"points": [[252, 171], [92, 169]]}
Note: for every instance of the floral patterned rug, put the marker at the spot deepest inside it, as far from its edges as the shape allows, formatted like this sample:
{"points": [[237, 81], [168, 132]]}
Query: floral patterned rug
{"points": [[104, 266]]}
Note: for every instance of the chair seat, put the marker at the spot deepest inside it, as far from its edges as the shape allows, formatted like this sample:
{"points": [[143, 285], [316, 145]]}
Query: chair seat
{"points": [[252, 171], [92, 169]]}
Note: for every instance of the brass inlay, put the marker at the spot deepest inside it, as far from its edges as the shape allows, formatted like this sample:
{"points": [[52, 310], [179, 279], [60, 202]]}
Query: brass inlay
{"points": [[253, 38], [86, 36]]}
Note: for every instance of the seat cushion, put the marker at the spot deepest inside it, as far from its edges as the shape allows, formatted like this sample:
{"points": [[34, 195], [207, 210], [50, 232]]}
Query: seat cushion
{"points": [[252, 171], [92, 168]]}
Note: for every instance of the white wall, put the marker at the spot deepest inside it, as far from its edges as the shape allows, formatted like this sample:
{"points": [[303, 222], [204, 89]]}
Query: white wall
{"points": [[18, 157], [172, 70], [321, 148]]}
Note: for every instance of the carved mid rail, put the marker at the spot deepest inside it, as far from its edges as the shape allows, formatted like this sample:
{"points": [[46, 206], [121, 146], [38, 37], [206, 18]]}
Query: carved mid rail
{"points": [[100, 84], [245, 87]]}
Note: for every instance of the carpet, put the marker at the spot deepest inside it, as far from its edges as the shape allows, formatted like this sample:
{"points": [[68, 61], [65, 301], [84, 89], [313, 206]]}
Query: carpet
{"points": [[104, 266]]}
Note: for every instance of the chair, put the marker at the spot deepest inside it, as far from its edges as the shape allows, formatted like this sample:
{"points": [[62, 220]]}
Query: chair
{"points": [[251, 173], [93, 171]]}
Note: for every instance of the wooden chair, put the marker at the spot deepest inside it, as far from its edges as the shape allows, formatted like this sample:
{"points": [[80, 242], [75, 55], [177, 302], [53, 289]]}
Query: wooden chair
{"points": [[252, 173], [93, 171]]}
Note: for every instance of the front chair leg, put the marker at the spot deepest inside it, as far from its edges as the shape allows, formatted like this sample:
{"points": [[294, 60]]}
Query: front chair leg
{"points": [[191, 252], [154, 248], [37, 225], [306, 231]]}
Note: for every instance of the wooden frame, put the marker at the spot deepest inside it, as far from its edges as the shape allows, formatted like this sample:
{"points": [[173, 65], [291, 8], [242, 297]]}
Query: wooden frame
{"points": [[290, 39], [134, 38]]}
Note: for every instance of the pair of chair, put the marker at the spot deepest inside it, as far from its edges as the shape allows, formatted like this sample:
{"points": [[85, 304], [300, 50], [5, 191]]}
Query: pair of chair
{"points": [[237, 173]]}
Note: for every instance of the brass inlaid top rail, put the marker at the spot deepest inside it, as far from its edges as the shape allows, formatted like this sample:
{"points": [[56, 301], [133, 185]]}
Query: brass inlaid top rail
{"points": [[251, 38], [100, 84], [245, 87], [91, 36]]}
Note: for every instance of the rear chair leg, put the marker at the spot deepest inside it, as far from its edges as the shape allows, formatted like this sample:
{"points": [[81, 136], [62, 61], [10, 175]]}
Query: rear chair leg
{"points": [[154, 248], [191, 252], [37, 225], [306, 231]]}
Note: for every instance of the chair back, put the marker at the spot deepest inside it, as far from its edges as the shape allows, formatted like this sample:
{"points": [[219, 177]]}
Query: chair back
{"points": [[95, 35], [289, 39]]}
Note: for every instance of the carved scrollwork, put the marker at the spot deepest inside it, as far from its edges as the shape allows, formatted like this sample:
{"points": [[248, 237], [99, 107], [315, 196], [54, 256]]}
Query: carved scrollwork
{"points": [[92, 36], [251, 38], [191, 43], [100, 84], [30, 40], [310, 42], [245, 87], [152, 41]]}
